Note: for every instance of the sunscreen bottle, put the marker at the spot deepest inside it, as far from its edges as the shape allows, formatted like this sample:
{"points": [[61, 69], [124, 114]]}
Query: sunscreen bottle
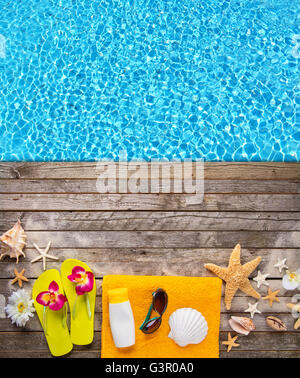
{"points": [[121, 318]]}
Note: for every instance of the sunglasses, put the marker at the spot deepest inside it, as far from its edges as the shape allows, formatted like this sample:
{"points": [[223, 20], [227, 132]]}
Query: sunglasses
{"points": [[159, 305]]}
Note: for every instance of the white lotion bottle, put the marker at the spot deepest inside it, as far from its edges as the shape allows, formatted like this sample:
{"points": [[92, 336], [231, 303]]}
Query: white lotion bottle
{"points": [[121, 318]]}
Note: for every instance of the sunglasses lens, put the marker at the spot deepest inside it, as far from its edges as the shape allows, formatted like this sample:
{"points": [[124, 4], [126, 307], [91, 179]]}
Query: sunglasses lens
{"points": [[152, 325], [160, 301]]}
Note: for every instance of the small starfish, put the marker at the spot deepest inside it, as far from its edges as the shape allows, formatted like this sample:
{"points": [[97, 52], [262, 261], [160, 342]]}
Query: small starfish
{"points": [[19, 277], [295, 308], [252, 309], [230, 342], [280, 264], [261, 279], [43, 255], [272, 296]]}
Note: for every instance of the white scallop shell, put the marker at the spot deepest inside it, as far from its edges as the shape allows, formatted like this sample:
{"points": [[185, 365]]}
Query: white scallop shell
{"points": [[188, 326]]}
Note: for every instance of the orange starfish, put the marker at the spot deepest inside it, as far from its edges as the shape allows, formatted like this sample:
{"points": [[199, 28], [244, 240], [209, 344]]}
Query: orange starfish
{"points": [[236, 275], [19, 277], [272, 296], [230, 342]]}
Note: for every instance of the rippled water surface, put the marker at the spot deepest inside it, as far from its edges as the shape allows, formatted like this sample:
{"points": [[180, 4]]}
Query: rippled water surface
{"points": [[165, 79]]}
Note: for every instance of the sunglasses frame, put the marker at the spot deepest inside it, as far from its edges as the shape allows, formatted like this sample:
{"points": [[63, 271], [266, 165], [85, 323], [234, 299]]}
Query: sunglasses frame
{"points": [[147, 319]]}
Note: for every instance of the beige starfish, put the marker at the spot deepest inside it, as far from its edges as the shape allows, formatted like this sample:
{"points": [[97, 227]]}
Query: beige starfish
{"points": [[261, 279], [272, 296], [252, 308], [295, 308], [43, 255], [230, 342], [19, 277], [280, 264], [236, 275]]}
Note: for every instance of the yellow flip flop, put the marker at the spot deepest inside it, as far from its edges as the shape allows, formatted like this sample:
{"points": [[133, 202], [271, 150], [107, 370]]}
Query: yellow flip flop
{"points": [[50, 305], [80, 287]]}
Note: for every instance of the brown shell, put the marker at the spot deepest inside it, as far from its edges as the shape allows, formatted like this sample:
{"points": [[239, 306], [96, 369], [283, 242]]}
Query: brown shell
{"points": [[242, 325], [13, 242], [276, 323]]}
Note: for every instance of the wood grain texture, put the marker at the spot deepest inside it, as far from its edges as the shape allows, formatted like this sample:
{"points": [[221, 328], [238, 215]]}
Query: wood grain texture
{"points": [[90, 187], [213, 171], [241, 299], [35, 326], [158, 202], [157, 261], [96, 354], [21, 341], [165, 239], [152, 220], [256, 204]]}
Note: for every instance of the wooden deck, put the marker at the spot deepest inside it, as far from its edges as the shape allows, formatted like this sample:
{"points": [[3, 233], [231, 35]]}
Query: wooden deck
{"points": [[255, 204]]}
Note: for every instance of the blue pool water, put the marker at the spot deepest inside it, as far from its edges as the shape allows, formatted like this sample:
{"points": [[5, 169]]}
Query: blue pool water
{"points": [[82, 80]]}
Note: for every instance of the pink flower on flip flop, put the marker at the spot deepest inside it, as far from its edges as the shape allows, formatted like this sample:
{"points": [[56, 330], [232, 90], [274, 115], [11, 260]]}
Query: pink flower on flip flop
{"points": [[51, 298], [84, 280]]}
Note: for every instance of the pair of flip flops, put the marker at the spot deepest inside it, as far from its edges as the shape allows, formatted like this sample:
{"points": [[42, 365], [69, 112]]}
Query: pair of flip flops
{"points": [[75, 284]]}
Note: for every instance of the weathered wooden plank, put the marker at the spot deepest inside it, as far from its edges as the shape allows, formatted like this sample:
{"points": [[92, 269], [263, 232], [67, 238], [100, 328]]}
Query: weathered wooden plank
{"points": [[18, 341], [46, 354], [96, 354], [150, 220], [89, 186], [165, 239], [213, 170], [15, 341], [104, 260], [90, 202], [251, 354], [152, 261], [265, 340], [239, 304], [33, 325], [259, 321], [193, 267]]}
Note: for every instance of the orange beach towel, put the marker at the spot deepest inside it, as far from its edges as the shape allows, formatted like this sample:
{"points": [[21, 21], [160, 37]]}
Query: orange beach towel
{"points": [[200, 293]]}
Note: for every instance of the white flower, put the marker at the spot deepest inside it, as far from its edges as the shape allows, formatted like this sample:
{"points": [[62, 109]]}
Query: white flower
{"points": [[291, 280], [19, 307]]}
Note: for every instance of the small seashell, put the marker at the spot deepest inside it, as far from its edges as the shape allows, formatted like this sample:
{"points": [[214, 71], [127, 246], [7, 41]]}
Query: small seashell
{"points": [[241, 325], [188, 326], [13, 241], [276, 323]]}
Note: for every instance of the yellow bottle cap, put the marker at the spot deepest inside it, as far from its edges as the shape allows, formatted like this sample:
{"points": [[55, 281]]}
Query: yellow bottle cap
{"points": [[118, 295]]}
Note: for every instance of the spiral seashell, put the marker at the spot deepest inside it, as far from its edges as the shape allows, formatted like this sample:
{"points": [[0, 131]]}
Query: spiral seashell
{"points": [[241, 325], [13, 241]]}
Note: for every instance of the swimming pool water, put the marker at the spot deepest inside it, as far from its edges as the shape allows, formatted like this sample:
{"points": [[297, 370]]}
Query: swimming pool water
{"points": [[82, 80]]}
